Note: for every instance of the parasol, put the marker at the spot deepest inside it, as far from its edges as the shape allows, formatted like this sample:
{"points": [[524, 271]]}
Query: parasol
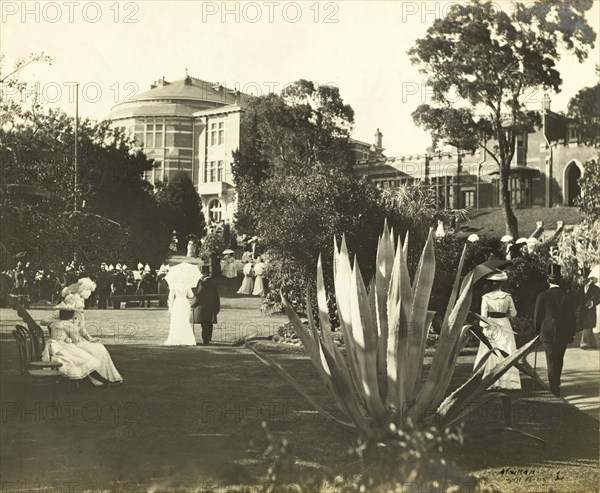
{"points": [[228, 251], [183, 276]]}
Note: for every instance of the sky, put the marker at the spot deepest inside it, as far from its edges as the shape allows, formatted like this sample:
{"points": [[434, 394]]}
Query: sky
{"points": [[117, 49]]}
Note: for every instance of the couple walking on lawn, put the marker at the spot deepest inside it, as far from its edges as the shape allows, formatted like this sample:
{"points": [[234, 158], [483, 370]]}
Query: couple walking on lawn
{"points": [[191, 304]]}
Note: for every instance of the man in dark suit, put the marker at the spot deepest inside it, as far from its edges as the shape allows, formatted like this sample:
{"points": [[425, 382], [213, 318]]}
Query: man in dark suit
{"points": [[207, 305], [555, 321], [589, 299]]}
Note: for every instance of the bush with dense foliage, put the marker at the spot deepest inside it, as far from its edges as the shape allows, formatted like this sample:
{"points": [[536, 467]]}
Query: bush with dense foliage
{"points": [[181, 201], [118, 216]]}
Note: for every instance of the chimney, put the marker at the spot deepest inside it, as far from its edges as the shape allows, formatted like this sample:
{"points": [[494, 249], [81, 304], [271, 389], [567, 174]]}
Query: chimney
{"points": [[546, 102], [378, 139], [153, 85]]}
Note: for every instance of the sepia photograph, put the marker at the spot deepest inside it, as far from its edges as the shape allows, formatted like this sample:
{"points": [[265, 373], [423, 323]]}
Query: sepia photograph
{"points": [[299, 246]]}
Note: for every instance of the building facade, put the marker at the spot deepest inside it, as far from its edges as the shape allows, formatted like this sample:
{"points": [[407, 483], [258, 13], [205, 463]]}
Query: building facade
{"points": [[192, 125], [188, 125], [545, 168]]}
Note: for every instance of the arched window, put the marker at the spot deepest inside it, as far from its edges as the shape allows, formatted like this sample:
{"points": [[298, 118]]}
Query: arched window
{"points": [[215, 210]]}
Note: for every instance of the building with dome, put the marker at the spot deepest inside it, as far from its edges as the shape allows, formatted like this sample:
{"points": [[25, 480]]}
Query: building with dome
{"points": [[189, 125], [193, 125]]}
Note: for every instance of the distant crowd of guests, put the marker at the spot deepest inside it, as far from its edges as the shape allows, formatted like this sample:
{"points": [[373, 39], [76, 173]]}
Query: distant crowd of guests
{"points": [[32, 285]]}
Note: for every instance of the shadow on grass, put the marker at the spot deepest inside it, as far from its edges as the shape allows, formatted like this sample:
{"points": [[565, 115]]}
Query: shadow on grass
{"points": [[190, 416]]}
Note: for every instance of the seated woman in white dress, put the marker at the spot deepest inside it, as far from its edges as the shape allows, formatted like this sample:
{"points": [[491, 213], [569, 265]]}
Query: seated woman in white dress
{"points": [[248, 282], [498, 306], [64, 345], [259, 270]]}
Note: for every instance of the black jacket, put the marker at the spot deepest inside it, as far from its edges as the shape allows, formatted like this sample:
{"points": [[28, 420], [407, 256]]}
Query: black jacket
{"points": [[207, 304], [591, 298], [554, 316]]}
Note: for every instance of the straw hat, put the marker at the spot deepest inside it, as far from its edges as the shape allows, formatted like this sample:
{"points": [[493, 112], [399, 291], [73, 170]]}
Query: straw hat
{"points": [[498, 276]]}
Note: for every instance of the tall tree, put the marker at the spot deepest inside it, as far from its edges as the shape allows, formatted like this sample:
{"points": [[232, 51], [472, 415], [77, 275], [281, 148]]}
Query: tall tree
{"points": [[584, 107], [117, 217], [481, 63], [289, 134], [184, 206]]}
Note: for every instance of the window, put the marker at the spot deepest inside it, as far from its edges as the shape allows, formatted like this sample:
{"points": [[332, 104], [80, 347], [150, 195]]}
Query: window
{"points": [[221, 133], [468, 199], [215, 210], [520, 191], [213, 134], [154, 135], [219, 170], [212, 171]]}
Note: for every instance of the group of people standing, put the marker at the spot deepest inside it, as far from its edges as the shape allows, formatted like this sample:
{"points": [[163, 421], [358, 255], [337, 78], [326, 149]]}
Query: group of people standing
{"points": [[253, 270], [558, 317]]}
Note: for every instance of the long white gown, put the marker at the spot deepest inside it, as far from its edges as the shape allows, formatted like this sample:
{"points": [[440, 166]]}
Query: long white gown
{"points": [[76, 363], [259, 285], [500, 336], [248, 282], [181, 332]]}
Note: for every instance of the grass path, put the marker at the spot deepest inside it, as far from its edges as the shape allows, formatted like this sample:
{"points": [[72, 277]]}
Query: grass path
{"points": [[187, 419]]}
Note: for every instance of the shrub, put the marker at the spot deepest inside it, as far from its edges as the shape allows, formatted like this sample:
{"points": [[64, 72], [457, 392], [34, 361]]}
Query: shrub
{"points": [[385, 331]]}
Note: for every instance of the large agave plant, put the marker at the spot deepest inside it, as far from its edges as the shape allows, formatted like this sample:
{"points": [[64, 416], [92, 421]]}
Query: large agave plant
{"points": [[380, 381]]}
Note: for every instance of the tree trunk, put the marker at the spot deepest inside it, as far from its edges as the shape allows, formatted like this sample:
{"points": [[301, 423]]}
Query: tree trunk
{"points": [[510, 220]]}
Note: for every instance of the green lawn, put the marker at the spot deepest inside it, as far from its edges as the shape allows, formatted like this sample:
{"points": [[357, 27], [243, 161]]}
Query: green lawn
{"points": [[189, 419], [491, 222]]}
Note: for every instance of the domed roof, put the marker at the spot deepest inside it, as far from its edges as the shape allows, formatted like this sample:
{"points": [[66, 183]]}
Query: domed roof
{"points": [[181, 98]]}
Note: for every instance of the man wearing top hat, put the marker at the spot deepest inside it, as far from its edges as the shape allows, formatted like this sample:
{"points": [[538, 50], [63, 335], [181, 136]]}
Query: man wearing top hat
{"points": [[555, 321], [206, 305]]}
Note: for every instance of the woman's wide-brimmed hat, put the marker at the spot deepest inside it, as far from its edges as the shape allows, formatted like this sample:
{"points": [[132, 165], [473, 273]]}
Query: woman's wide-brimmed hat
{"points": [[473, 238], [521, 240], [71, 303], [498, 276], [506, 239]]}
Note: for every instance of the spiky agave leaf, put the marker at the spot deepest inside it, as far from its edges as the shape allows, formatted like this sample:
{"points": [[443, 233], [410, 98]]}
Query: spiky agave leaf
{"points": [[364, 332], [330, 373], [343, 275], [288, 378], [400, 303], [418, 324], [468, 392], [383, 274], [443, 363]]}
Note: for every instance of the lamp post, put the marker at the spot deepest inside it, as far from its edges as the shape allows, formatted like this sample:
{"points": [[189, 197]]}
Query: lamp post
{"points": [[76, 145]]}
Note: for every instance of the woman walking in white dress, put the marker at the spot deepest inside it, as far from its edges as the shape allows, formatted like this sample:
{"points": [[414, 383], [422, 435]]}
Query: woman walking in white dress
{"points": [[181, 332], [259, 270], [248, 282], [181, 278], [497, 306]]}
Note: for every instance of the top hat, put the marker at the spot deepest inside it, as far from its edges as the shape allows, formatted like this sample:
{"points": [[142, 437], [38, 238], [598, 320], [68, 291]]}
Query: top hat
{"points": [[554, 273]]}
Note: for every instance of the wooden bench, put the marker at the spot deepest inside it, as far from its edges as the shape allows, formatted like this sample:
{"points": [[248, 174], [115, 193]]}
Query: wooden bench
{"points": [[139, 298]]}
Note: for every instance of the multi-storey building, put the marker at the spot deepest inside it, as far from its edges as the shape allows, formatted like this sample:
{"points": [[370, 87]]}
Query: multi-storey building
{"points": [[546, 165], [188, 125], [193, 125]]}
